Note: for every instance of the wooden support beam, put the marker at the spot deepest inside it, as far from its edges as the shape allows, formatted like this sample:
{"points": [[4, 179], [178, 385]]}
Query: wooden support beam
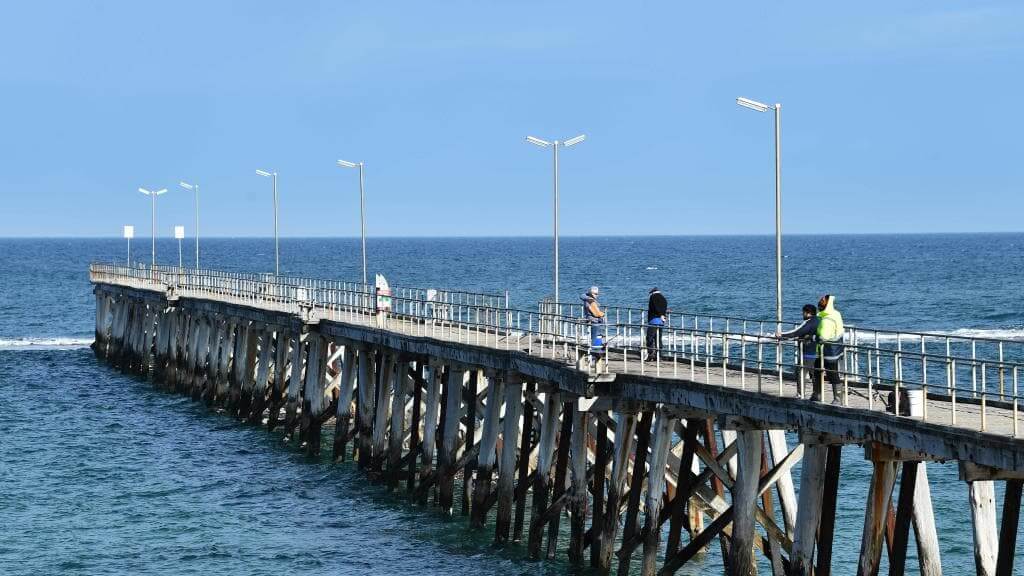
{"points": [[382, 410], [812, 476], [663, 428], [826, 529], [313, 396], [924, 526], [528, 440], [601, 452], [430, 422], [414, 439], [684, 479], [625, 429], [744, 496], [983, 515], [883, 477], [542, 482], [904, 511], [778, 449], [396, 433], [294, 392], [365, 406], [471, 395], [578, 484], [561, 463], [488, 448], [766, 516], [1008, 530], [629, 529], [449, 438], [343, 414], [507, 468]]}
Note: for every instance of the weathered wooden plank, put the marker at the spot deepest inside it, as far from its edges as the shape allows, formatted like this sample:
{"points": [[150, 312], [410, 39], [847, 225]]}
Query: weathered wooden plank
{"points": [[542, 481], [927, 539], [430, 422], [883, 478], [605, 541], [471, 395], [487, 456], [826, 529], [343, 414], [663, 429], [600, 472], [1008, 529], [744, 496], [448, 456], [684, 478], [629, 528], [528, 439], [983, 516], [908, 484], [561, 464], [809, 510], [382, 404], [396, 433], [507, 466]]}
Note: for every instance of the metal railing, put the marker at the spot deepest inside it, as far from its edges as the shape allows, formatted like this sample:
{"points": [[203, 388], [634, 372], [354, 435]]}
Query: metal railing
{"points": [[956, 380]]}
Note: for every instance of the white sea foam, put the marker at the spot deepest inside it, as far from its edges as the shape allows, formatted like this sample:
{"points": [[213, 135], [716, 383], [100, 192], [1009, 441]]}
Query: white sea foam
{"points": [[59, 343], [1012, 334]]}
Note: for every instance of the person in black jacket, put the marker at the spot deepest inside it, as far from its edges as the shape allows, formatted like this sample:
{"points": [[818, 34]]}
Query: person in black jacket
{"points": [[806, 332], [657, 311]]}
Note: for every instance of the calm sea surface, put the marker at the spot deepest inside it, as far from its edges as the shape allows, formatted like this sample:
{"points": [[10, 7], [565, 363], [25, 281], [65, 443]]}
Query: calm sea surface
{"points": [[100, 474]]}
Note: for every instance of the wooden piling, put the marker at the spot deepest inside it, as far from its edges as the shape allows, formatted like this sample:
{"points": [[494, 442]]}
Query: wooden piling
{"points": [[294, 391], [471, 393], [488, 449], [414, 431], [396, 432], [365, 410], [449, 440], [578, 482], [826, 527], [382, 404], [629, 528], [927, 539], [554, 511], [343, 414], [883, 478], [1008, 529], [598, 490], [812, 475], [430, 423], [745, 501], [542, 481], [663, 429], [507, 467], [904, 511], [625, 429], [529, 438], [983, 516], [684, 478]]}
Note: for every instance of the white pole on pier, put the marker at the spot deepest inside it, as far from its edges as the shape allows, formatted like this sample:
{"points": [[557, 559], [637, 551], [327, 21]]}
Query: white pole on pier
{"points": [[152, 195], [129, 233], [554, 145], [277, 251], [759, 107], [362, 209], [194, 188]]}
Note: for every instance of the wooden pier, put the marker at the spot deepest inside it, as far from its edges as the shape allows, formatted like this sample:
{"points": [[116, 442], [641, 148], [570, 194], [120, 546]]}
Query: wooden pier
{"points": [[500, 419]]}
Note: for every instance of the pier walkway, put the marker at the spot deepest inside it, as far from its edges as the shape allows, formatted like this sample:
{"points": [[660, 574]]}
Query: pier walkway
{"points": [[434, 385]]}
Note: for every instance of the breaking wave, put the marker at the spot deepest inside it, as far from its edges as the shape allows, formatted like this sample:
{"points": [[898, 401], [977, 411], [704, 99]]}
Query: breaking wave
{"points": [[67, 343]]}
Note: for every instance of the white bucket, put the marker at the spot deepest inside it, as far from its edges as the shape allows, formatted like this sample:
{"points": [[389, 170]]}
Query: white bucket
{"points": [[915, 398]]}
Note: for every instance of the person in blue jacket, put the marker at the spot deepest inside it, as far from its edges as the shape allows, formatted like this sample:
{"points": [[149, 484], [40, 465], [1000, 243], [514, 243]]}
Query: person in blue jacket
{"points": [[806, 333]]}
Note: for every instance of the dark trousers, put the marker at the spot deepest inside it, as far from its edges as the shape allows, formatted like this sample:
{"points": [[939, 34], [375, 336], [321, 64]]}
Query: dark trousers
{"points": [[653, 339], [827, 369]]}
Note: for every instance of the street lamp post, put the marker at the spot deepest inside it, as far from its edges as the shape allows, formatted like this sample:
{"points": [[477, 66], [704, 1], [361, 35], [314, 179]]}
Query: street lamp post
{"points": [[277, 250], [129, 233], [194, 188], [362, 209], [179, 234], [152, 195], [554, 145], [758, 106]]}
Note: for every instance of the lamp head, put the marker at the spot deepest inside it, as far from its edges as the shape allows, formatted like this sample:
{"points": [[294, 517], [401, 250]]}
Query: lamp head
{"points": [[263, 173], [347, 164], [575, 140], [186, 186], [538, 141], [753, 104]]}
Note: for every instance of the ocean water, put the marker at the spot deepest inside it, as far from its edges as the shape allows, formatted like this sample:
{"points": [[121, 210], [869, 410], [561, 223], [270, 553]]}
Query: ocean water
{"points": [[101, 474]]}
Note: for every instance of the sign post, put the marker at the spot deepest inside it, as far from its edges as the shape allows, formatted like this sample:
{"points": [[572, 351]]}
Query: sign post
{"points": [[129, 233]]}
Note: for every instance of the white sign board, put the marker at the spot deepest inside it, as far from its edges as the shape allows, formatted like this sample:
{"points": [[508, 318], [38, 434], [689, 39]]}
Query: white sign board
{"points": [[129, 232], [179, 232]]}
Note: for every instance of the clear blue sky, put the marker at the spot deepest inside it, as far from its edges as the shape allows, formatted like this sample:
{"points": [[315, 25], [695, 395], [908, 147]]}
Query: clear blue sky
{"points": [[897, 116]]}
